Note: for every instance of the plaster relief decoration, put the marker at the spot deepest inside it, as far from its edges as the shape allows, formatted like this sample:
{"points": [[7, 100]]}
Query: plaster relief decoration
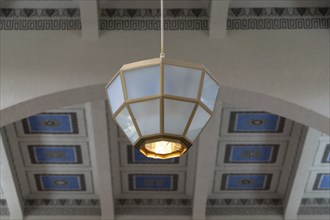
{"points": [[235, 207], [173, 207], [113, 19], [314, 206], [62, 207]]}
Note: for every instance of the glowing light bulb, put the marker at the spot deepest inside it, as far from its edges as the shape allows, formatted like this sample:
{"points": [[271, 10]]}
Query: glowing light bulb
{"points": [[163, 147]]}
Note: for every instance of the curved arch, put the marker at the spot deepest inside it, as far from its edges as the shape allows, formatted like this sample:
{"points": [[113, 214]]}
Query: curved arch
{"points": [[238, 97]]}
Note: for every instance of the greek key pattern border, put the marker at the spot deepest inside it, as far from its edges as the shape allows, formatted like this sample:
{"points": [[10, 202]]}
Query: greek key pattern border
{"points": [[172, 25], [278, 24], [175, 19], [171, 12]]}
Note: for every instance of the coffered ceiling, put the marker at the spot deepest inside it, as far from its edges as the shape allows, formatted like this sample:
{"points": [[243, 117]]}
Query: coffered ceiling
{"points": [[74, 162], [56, 168]]}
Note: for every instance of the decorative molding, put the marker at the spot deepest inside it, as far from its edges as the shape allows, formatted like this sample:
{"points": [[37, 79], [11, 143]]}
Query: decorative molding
{"points": [[315, 201], [40, 24], [154, 13], [175, 19], [39, 13], [278, 18], [171, 13], [244, 207], [153, 202], [244, 211], [278, 12], [62, 202], [278, 24], [4, 211], [153, 207], [243, 202], [80, 207], [314, 206]]}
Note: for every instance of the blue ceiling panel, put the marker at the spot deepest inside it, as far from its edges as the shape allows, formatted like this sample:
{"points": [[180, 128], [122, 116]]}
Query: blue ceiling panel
{"points": [[249, 153], [255, 122], [55, 154], [246, 181], [51, 123], [60, 182], [153, 182]]}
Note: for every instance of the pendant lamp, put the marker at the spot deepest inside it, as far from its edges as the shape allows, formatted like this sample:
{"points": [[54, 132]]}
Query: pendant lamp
{"points": [[162, 105]]}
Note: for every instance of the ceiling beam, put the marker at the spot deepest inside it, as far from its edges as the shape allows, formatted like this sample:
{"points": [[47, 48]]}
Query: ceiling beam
{"points": [[218, 18], [206, 159], [99, 147], [8, 183], [301, 173], [89, 19]]}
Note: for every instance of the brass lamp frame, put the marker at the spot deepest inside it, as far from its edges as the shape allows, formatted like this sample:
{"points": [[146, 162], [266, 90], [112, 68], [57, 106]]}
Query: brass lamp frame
{"points": [[143, 139]]}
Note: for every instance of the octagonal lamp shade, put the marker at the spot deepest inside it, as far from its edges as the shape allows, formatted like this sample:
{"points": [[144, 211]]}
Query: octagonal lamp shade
{"points": [[162, 105]]}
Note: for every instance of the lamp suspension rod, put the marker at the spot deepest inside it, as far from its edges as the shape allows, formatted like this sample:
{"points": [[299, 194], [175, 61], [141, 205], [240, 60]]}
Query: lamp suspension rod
{"points": [[162, 54]]}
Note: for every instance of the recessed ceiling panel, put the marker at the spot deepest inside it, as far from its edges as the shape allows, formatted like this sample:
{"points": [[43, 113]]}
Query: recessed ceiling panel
{"points": [[251, 153], [60, 182], [55, 154], [60, 123], [252, 123]]}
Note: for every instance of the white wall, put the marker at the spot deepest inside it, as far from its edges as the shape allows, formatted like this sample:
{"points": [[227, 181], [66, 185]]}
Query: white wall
{"points": [[292, 66]]}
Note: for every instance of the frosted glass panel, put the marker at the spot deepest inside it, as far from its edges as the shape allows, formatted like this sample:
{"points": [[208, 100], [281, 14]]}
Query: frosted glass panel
{"points": [[147, 116], [142, 82], [125, 122], [176, 115], [209, 92], [115, 94], [200, 119], [181, 81]]}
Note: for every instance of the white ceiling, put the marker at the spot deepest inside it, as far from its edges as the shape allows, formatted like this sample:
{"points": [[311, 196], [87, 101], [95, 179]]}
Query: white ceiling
{"points": [[162, 198], [105, 168]]}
